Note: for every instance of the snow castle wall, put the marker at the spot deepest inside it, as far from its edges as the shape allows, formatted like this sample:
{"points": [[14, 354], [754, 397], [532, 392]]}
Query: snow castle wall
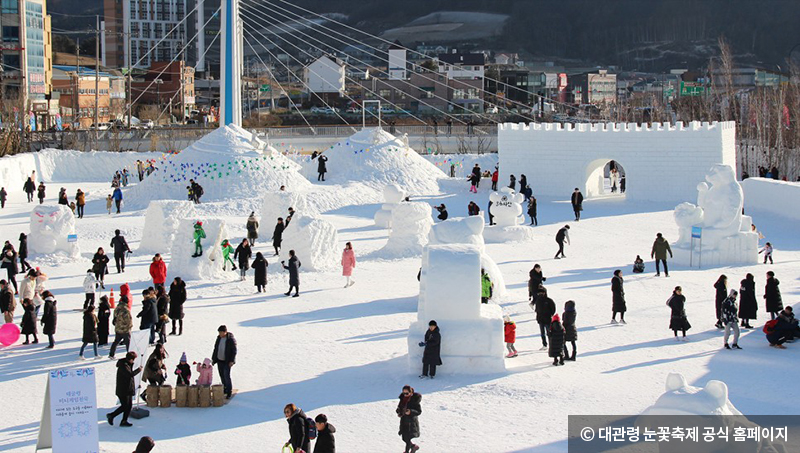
{"points": [[771, 196], [662, 162]]}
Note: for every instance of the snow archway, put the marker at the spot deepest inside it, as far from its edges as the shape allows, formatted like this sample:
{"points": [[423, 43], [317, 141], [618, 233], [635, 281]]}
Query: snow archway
{"points": [[663, 162], [599, 181]]}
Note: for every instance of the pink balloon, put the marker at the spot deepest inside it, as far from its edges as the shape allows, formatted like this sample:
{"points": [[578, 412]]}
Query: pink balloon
{"points": [[9, 334]]}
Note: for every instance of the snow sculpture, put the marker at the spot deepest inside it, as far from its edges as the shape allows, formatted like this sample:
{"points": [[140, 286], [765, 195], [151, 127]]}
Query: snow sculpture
{"points": [[277, 204], [392, 195], [161, 223], [50, 229], [207, 266], [314, 240], [726, 235], [411, 223], [469, 230], [507, 212], [684, 399], [450, 293]]}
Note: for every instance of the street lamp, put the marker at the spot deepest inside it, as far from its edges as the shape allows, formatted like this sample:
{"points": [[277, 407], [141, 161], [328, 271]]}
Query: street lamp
{"points": [[158, 83]]}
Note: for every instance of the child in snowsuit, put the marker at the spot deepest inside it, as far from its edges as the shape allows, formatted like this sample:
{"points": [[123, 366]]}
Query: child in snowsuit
{"points": [[184, 371], [199, 235], [226, 255], [473, 179], [510, 336], [486, 287], [109, 202], [767, 250], [206, 371], [556, 335]]}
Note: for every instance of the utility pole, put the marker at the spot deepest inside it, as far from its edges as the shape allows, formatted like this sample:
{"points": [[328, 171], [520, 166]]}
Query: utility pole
{"points": [[97, 79], [183, 99], [130, 80]]}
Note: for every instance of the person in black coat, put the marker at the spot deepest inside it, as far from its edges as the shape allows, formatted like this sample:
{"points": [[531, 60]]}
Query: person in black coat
{"points": [[748, 306], [523, 183], [149, 314], [325, 442], [49, 318], [9, 262], [536, 280], [431, 356], [242, 254], [100, 266], [545, 308], [772, 295], [28, 324], [126, 388], [120, 246], [678, 320], [103, 316], [409, 409], [322, 167], [177, 297], [512, 182], [294, 274], [162, 312], [89, 331], [260, 269], [224, 356], [570, 331], [556, 334], [23, 252], [721, 287], [442, 212], [277, 235], [298, 428], [29, 187], [618, 304], [532, 210], [577, 203]]}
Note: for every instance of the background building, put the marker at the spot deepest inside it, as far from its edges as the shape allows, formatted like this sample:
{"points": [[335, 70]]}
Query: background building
{"points": [[147, 22]]}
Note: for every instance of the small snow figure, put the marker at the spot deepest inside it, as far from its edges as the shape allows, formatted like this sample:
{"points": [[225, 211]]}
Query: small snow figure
{"points": [[730, 319], [205, 371], [183, 371], [561, 236], [678, 320], [348, 264], [556, 335], [226, 255], [638, 265], [431, 357], [510, 333], [570, 331], [767, 250], [294, 274], [199, 235], [321, 167], [277, 235], [442, 212], [618, 298], [486, 287], [577, 203]]}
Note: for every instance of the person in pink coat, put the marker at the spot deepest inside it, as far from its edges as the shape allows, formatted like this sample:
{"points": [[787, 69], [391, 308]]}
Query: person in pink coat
{"points": [[348, 263], [206, 372]]}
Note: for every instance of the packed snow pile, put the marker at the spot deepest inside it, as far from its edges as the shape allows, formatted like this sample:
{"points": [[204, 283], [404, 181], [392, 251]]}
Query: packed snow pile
{"points": [[314, 241], [726, 235], [161, 223], [207, 266], [507, 211], [392, 196], [277, 204], [229, 163], [50, 230], [411, 224], [450, 294], [469, 230], [376, 158], [761, 194]]}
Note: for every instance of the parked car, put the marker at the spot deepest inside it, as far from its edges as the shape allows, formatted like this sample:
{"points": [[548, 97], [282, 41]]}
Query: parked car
{"points": [[100, 126], [319, 110], [491, 110], [387, 110], [353, 110]]}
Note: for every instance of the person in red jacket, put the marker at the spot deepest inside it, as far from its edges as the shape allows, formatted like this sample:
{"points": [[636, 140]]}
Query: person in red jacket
{"points": [[495, 177], [158, 270], [510, 336]]}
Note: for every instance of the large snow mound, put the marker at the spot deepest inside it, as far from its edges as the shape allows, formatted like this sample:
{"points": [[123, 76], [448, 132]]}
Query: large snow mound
{"points": [[161, 222], [51, 226], [277, 204], [376, 158], [314, 241], [208, 266], [229, 163]]}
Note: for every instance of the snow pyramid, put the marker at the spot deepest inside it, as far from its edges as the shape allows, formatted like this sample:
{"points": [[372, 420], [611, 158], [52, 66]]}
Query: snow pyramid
{"points": [[161, 223], [277, 204], [208, 266], [230, 163], [314, 241], [376, 158], [51, 226], [411, 224]]}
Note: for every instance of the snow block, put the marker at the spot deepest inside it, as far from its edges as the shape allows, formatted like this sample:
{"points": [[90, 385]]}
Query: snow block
{"points": [[392, 195], [450, 294], [205, 267], [161, 222], [277, 204], [495, 234], [411, 223], [50, 228], [771, 196], [314, 241]]}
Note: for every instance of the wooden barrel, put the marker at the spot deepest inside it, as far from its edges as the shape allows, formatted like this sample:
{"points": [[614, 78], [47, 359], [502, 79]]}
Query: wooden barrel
{"points": [[181, 393], [192, 396], [165, 396], [152, 396], [217, 395], [205, 396]]}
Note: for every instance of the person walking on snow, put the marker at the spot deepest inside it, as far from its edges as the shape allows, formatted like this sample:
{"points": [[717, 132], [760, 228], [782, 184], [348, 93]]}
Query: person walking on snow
{"points": [[431, 356], [298, 429], [29, 187], [120, 246], [767, 250], [294, 274], [532, 210], [659, 252], [678, 320], [198, 235], [3, 197], [322, 167], [80, 202], [772, 295], [473, 179], [224, 357], [103, 315], [721, 287], [325, 442], [123, 324], [730, 320], [49, 318], [409, 409], [117, 196], [348, 264], [89, 331], [109, 203], [227, 248], [561, 236], [556, 334], [252, 229], [618, 298], [260, 269], [570, 331], [40, 192], [277, 236], [100, 266], [577, 203], [23, 252], [476, 171], [495, 178], [510, 336], [125, 389], [535, 281], [486, 287], [177, 297], [158, 271], [242, 254], [748, 306], [545, 308]]}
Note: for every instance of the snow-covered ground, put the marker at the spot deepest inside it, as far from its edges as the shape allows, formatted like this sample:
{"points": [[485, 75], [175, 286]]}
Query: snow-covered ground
{"points": [[342, 352]]}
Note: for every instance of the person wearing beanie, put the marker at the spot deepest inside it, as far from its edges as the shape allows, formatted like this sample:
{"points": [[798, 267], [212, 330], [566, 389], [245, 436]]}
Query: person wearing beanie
{"points": [[145, 445], [325, 442], [556, 335], [183, 371], [431, 357]]}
